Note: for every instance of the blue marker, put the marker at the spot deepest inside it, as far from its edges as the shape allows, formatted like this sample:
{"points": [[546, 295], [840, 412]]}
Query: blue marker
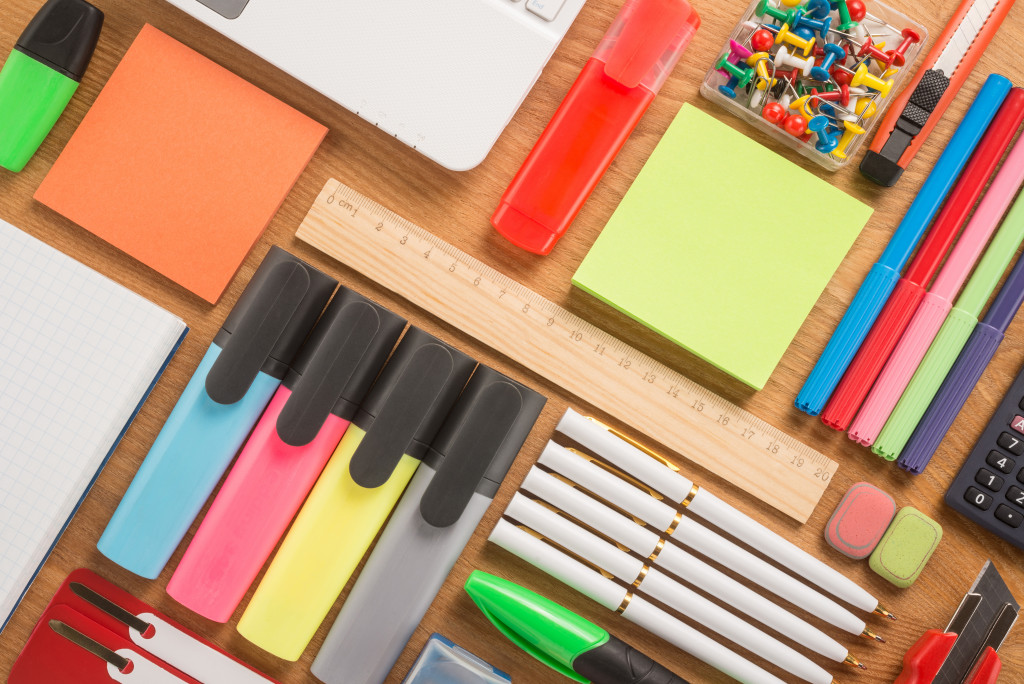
{"points": [[882, 278], [220, 405]]}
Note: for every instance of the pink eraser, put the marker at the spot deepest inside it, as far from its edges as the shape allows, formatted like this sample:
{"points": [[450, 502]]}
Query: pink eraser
{"points": [[860, 520]]}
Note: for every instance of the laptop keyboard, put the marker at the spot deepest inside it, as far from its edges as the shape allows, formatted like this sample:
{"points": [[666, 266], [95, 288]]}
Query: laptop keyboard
{"points": [[545, 9]]}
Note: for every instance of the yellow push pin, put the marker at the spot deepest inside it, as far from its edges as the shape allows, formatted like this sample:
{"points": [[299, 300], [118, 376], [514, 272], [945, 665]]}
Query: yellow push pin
{"points": [[851, 132], [786, 36], [800, 105], [862, 77], [865, 107]]}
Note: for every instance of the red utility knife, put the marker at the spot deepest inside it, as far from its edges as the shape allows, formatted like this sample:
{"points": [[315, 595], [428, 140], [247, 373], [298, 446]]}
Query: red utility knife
{"points": [[966, 651]]}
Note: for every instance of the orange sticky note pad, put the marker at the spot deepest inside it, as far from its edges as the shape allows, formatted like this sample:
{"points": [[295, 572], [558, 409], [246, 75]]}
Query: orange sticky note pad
{"points": [[180, 163]]}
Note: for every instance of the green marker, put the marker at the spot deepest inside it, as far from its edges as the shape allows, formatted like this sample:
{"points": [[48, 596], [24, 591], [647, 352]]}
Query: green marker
{"points": [[42, 74], [560, 639], [952, 336]]}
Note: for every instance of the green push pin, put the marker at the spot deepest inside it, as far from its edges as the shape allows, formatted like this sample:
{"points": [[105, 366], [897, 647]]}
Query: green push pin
{"points": [[741, 74], [790, 17]]}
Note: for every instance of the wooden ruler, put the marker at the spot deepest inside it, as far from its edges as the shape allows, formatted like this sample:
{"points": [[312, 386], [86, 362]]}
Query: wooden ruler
{"points": [[560, 346]]}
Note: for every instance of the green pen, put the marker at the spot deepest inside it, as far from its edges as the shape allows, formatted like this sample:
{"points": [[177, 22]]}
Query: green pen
{"points": [[952, 336], [559, 638], [42, 74]]}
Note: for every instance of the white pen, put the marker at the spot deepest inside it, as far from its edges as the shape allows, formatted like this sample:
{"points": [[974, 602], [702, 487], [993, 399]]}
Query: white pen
{"points": [[659, 586], [637, 538], [636, 609], [692, 534], [652, 472]]}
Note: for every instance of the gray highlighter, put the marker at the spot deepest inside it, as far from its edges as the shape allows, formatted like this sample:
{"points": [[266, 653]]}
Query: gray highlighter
{"points": [[429, 528]]}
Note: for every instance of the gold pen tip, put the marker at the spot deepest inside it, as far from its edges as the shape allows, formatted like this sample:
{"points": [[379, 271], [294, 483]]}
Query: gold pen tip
{"points": [[868, 634], [853, 662], [880, 610]]}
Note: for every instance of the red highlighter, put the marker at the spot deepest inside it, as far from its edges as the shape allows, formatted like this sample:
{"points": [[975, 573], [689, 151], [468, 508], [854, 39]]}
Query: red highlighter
{"points": [[613, 91]]}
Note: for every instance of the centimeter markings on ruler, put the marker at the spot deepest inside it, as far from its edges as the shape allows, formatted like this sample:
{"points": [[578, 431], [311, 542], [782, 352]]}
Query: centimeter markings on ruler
{"points": [[562, 347]]}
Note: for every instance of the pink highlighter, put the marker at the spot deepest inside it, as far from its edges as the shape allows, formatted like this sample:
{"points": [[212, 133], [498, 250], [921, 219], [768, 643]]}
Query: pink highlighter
{"points": [[613, 91], [283, 457]]}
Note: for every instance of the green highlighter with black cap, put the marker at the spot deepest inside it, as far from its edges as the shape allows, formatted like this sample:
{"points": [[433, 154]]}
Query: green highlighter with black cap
{"points": [[559, 638], [41, 75]]}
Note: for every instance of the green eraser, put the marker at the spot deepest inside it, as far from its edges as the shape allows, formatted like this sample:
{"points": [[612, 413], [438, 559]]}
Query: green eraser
{"points": [[906, 547]]}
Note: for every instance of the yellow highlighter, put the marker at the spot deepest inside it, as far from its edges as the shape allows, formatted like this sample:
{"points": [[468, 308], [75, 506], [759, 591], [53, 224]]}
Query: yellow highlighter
{"points": [[355, 493]]}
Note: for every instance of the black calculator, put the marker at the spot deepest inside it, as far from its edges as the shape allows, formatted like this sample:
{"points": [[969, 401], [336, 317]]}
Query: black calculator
{"points": [[989, 489]]}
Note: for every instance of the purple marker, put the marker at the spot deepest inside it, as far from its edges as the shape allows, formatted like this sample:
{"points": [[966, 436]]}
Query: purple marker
{"points": [[964, 374]]}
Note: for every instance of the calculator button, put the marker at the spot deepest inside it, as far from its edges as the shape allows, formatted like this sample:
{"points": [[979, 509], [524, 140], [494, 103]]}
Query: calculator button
{"points": [[1018, 423], [1000, 462], [1020, 476], [1012, 444], [989, 480], [1009, 516], [978, 498], [1016, 495]]}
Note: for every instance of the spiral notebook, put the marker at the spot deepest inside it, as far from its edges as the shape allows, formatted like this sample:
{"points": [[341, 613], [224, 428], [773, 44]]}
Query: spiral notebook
{"points": [[78, 356]]}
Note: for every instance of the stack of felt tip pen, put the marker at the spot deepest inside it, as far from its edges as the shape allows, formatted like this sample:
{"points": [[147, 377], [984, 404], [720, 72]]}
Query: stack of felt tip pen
{"points": [[913, 343], [577, 510]]}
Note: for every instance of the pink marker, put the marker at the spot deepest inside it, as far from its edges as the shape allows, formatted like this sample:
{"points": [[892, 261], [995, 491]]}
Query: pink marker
{"points": [[935, 306], [283, 457]]}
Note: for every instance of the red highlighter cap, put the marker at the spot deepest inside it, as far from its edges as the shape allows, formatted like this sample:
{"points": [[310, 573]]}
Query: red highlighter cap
{"points": [[618, 83]]}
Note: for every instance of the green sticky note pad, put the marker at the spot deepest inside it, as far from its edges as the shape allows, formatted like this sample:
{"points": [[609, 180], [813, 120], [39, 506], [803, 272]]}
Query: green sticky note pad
{"points": [[906, 547], [722, 246]]}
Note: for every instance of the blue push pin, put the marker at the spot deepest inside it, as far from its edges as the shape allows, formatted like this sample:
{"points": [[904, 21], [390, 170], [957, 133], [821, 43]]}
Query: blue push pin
{"points": [[729, 89], [819, 9], [820, 25], [828, 139], [833, 52], [805, 32]]}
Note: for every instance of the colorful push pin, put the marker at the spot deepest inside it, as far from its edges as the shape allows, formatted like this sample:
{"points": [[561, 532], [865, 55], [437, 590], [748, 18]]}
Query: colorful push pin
{"points": [[804, 32], [828, 138], [738, 53], [819, 9], [833, 53], [773, 113], [742, 73], [762, 40], [729, 88], [866, 107], [791, 3], [898, 57], [764, 7], [783, 58], [841, 75], [822, 26], [795, 125], [862, 76], [846, 21], [802, 105], [871, 51], [785, 35], [852, 130], [856, 8]]}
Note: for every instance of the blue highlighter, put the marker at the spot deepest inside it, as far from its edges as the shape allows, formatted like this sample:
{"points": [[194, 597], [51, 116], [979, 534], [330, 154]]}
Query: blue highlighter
{"points": [[238, 375]]}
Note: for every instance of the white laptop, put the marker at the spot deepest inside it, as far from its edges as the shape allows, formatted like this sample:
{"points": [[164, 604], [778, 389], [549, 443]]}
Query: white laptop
{"points": [[442, 76]]}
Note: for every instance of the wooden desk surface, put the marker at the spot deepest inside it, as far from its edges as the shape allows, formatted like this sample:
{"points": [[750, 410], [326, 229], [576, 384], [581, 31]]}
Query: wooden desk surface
{"points": [[457, 206]]}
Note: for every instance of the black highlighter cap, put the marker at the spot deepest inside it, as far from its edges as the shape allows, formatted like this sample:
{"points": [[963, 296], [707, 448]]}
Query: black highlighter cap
{"points": [[268, 323], [63, 35], [478, 443], [407, 405], [336, 365]]}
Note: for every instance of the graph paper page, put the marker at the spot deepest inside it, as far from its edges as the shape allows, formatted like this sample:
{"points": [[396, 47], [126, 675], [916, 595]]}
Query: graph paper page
{"points": [[78, 354]]}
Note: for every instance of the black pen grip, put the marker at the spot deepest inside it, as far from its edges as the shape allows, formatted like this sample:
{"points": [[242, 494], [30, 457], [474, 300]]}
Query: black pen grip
{"points": [[616, 662]]}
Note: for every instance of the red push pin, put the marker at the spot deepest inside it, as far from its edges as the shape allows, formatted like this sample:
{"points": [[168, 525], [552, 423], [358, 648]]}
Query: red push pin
{"points": [[774, 113], [762, 40], [898, 57], [858, 10], [795, 125]]}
